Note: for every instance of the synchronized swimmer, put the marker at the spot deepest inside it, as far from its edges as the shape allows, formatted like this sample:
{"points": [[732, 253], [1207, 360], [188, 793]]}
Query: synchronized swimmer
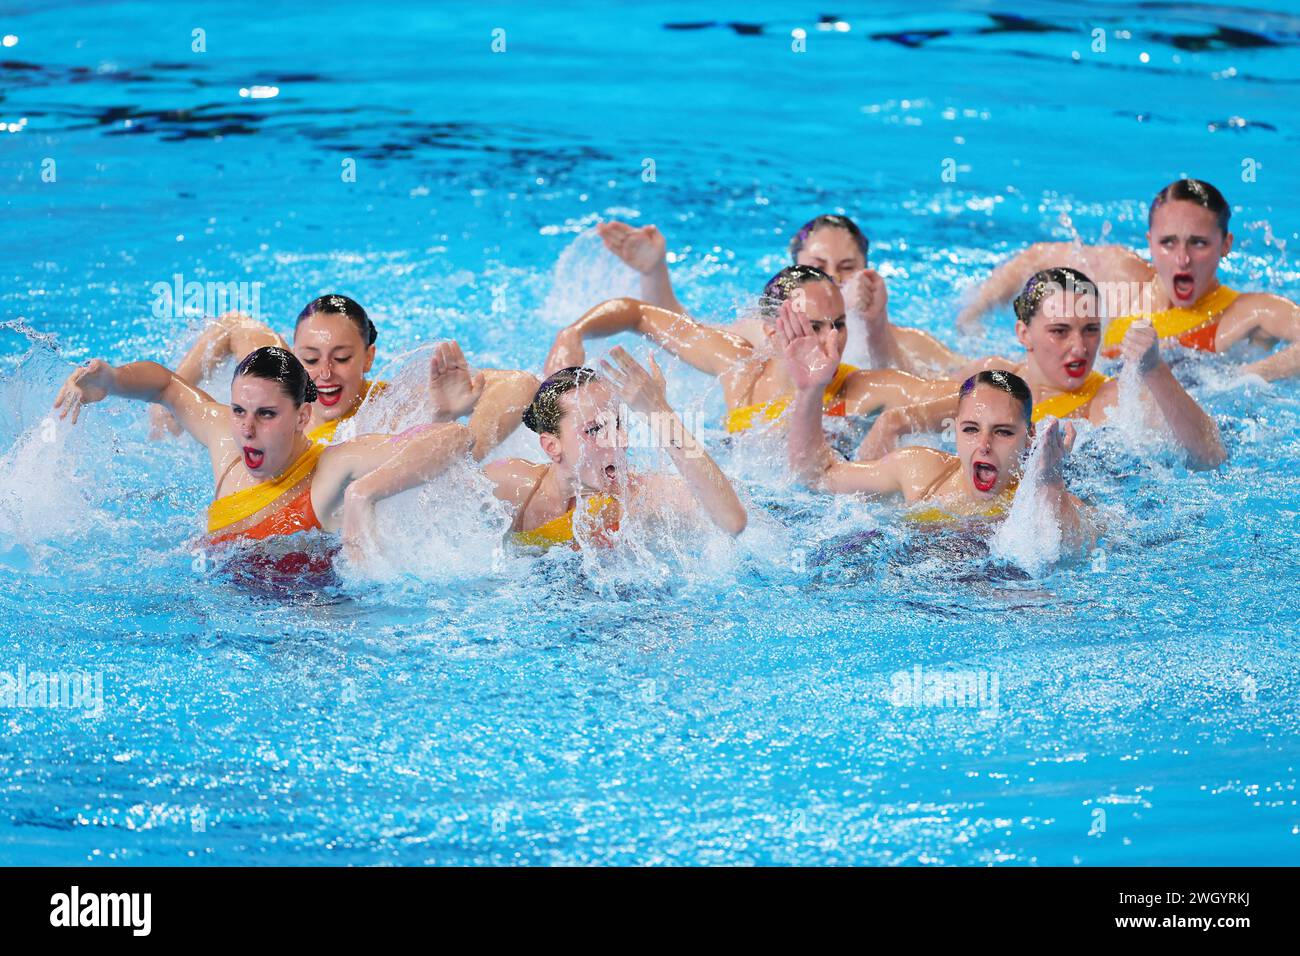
{"points": [[279, 466]]}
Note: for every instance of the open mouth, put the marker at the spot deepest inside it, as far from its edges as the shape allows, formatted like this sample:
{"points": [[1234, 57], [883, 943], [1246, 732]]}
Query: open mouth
{"points": [[1184, 285], [1076, 369], [329, 395], [984, 475], [253, 458], [611, 473]]}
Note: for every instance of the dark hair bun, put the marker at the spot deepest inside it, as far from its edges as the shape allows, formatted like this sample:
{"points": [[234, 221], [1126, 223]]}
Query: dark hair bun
{"points": [[281, 366], [310, 394]]}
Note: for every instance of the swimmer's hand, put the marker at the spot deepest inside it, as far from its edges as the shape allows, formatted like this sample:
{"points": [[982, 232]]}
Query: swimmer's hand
{"points": [[866, 295], [810, 364], [1141, 345], [1056, 440], [644, 249], [641, 391], [162, 421], [453, 390], [89, 384], [568, 351]]}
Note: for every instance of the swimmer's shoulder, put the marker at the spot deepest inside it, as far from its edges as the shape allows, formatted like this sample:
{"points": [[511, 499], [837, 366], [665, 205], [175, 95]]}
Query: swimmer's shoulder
{"points": [[916, 468], [513, 479]]}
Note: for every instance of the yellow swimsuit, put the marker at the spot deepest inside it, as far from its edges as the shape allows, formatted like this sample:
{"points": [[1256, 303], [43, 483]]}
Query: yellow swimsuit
{"points": [[1067, 403], [295, 515], [935, 515], [1195, 327], [603, 508], [746, 417], [324, 432]]}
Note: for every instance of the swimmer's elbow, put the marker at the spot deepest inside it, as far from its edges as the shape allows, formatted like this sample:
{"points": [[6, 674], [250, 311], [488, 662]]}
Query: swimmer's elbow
{"points": [[735, 522], [1210, 459]]}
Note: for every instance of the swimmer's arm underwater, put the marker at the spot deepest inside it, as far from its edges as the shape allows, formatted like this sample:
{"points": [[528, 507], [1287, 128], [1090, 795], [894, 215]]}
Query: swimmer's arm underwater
{"points": [[195, 409], [646, 251], [645, 392], [706, 348]]}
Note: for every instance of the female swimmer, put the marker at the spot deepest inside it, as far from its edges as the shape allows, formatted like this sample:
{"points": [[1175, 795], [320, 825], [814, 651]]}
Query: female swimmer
{"points": [[335, 340], [581, 492], [1187, 234], [270, 477], [994, 431], [832, 243], [1057, 323], [755, 384]]}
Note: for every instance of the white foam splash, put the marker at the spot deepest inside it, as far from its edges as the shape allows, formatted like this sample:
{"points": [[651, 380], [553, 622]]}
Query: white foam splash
{"points": [[1030, 537]]}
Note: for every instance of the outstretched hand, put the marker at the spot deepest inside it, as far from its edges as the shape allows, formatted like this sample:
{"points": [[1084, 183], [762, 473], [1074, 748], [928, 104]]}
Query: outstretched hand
{"points": [[453, 390], [644, 248], [85, 386], [809, 363], [641, 390]]}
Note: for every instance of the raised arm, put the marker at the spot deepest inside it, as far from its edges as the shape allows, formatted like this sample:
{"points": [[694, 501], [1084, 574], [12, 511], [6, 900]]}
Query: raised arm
{"points": [[706, 348], [494, 399], [811, 457], [865, 391], [644, 392], [234, 334], [1056, 441], [1193, 429], [197, 412], [646, 251], [1102, 263]]}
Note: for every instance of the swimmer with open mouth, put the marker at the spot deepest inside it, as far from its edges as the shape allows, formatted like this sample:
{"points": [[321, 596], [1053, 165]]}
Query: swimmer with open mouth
{"points": [[270, 479], [334, 339], [755, 384], [994, 433], [832, 243], [580, 494], [1187, 236], [1058, 324]]}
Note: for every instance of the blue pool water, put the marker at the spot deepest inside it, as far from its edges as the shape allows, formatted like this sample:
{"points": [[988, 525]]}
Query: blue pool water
{"points": [[702, 703]]}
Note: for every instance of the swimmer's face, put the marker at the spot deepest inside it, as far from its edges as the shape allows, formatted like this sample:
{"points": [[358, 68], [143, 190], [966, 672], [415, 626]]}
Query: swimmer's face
{"points": [[265, 424], [337, 359], [823, 303], [833, 251], [592, 440], [1062, 337], [992, 436], [1186, 246]]}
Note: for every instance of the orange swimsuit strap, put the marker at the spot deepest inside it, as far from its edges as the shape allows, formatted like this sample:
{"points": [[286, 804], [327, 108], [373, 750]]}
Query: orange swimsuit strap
{"points": [[297, 515]]}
